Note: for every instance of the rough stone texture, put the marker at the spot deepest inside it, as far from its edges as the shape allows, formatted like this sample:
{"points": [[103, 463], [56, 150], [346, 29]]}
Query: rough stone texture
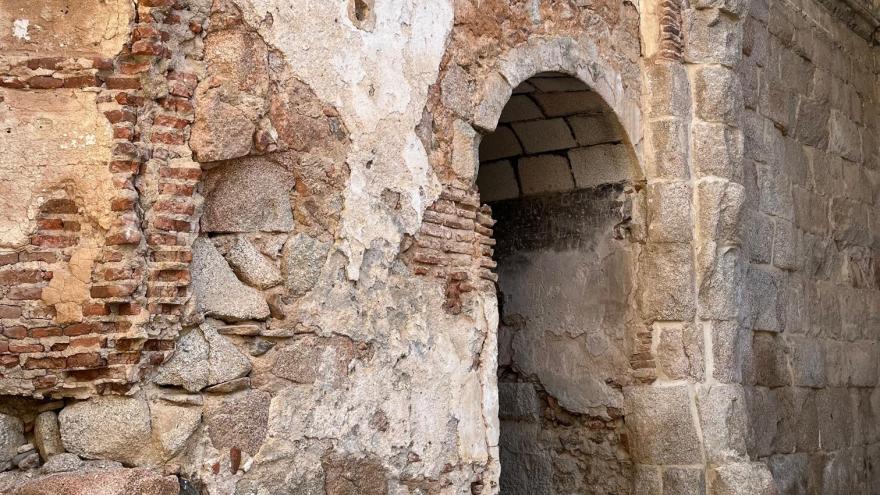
{"points": [[203, 358], [11, 437], [116, 428], [47, 435], [109, 482], [672, 291], [218, 292]]}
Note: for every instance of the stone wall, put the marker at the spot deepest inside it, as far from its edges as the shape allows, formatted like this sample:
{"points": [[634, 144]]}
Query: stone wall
{"points": [[810, 97], [241, 242], [556, 174]]}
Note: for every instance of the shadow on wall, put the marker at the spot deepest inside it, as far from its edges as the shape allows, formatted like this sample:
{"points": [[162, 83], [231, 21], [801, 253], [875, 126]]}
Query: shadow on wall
{"points": [[557, 174]]}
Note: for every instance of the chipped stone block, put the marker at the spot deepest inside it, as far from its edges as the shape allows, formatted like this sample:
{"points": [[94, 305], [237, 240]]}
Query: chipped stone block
{"points": [[107, 427], [667, 90], [666, 287], [500, 144], [520, 107], [239, 420], [662, 426], [47, 435], [497, 181], [218, 292], [600, 164], [844, 138], [302, 261], [251, 266], [741, 478], [669, 212], [680, 352], [713, 37], [717, 95], [717, 150], [684, 481], [248, 195], [666, 149], [722, 410], [590, 130], [545, 173], [11, 437], [539, 136]]}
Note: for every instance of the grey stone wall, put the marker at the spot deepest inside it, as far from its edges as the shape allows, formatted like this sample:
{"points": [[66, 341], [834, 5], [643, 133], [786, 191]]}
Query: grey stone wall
{"points": [[556, 174], [810, 313]]}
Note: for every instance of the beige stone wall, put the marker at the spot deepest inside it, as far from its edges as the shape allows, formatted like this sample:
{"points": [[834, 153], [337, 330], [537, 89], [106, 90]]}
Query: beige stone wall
{"points": [[810, 350], [291, 286]]}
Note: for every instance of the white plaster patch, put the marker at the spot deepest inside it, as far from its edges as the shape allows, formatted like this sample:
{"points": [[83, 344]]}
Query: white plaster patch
{"points": [[20, 29], [379, 82]]}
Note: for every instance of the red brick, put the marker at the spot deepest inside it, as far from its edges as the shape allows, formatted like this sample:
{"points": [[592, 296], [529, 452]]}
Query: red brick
{"points": [[47, 257], [172, 256], [122, 203], [85, 360], [24, 293], [46, 381], [45, 82], [162, 291], [24, 348], [53, 241], [45, 363], [169, 121], [40, 332], [130, 309], [9, 361], [27, 276], [122, 148], [173, 138], [180, 105], [95, 309], [162, 239], [134, 67], [123, 132], [127, 166], [174, 206], [123, 83], [7, 311], [61, 346], [171, 224], [147, 47], [107, 291], [117, 116], [123, 238], [50, 224], [81, 329], [8, 258], [156, 3], [101, 63], [50, 63], [176, 189], [159, 345], [90, 341], [182, 173], [124, 98], [88, 81], [124, 358], [16, 332], [180, 276], [59, 206]]}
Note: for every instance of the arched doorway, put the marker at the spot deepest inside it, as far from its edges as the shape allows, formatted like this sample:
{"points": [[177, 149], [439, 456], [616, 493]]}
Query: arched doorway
{"points": [[558, 175]]}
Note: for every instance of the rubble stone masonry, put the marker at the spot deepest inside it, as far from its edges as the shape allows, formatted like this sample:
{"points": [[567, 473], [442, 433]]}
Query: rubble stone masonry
{"points": [[439, 247]]}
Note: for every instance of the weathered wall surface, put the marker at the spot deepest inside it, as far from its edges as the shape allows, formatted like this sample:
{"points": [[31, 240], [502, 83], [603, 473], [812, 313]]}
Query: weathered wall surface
{"points": [[287, 284], [810, 89], [557, 175]]}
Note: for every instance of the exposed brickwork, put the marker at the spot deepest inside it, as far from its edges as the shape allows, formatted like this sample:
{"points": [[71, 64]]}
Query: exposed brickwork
{"points": [[140, 275], [455, 244]]}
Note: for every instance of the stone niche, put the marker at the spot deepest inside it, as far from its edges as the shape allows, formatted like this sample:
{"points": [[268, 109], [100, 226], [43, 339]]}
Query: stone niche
{"points": [[557, 175]]}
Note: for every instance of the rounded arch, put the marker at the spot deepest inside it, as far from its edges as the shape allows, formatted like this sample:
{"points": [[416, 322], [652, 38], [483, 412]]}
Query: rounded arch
{"points": [[575, 57]]}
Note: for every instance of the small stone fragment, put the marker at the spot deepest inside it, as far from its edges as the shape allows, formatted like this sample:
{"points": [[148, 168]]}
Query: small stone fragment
{"points": [[218, 291], [62, 462], [230, 386], [303, 260], [11, 437], [47, 435], [261, 346], [251, 266], [29, 460]]}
